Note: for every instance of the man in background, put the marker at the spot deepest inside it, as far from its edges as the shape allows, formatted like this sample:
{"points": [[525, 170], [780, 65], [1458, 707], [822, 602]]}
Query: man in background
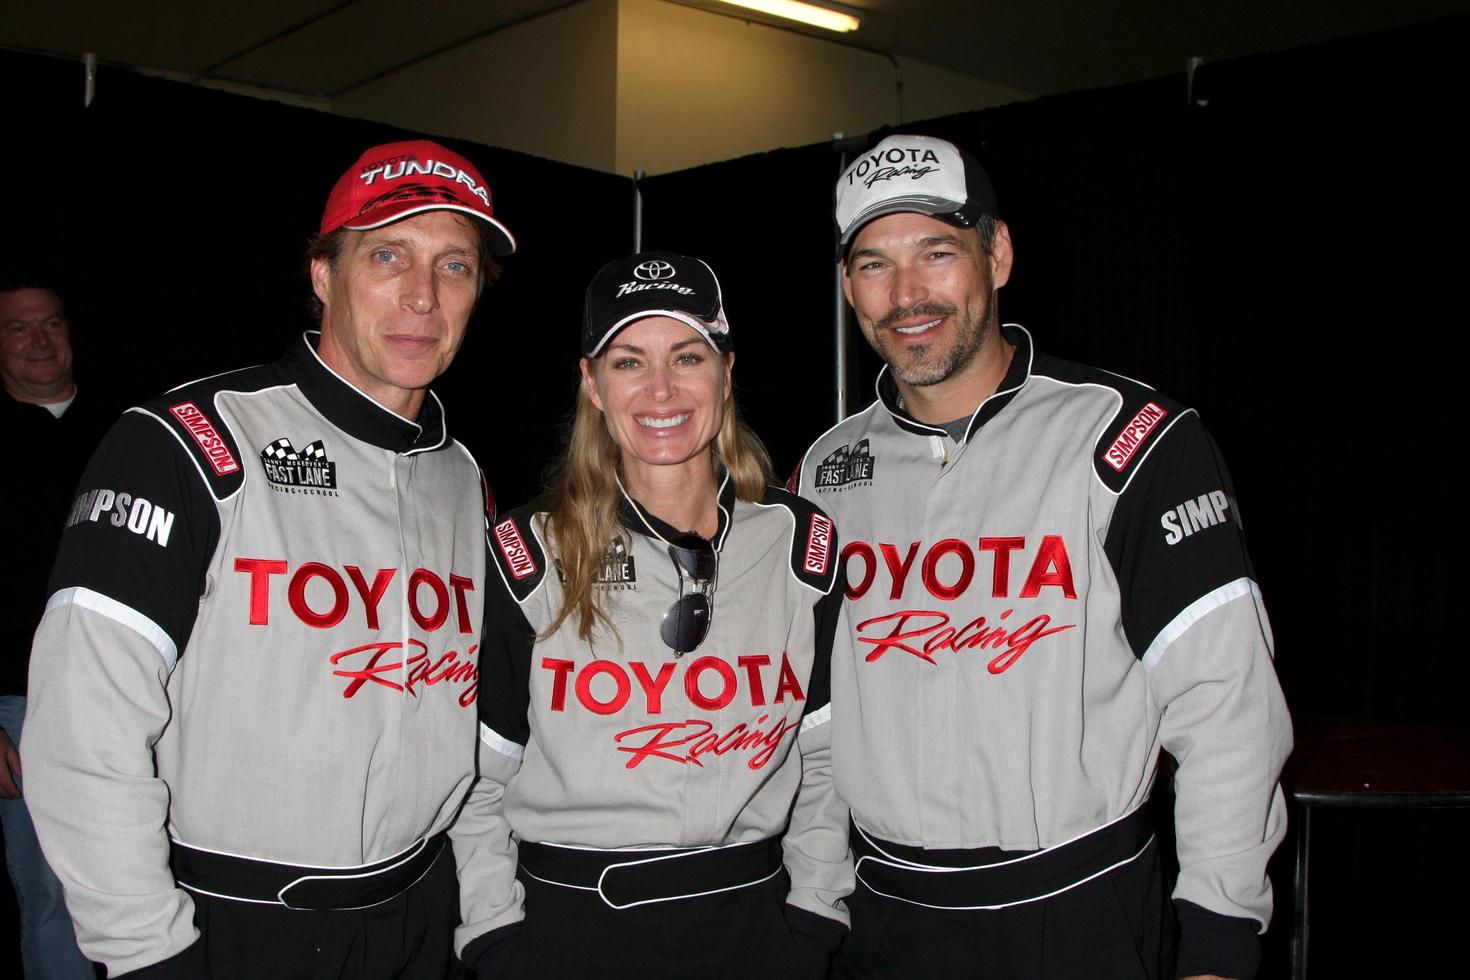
{"points": [[49, 431]]}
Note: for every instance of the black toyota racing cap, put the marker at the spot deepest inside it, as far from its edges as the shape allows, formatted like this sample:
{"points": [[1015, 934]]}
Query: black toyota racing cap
{"points": [[654, 284]]}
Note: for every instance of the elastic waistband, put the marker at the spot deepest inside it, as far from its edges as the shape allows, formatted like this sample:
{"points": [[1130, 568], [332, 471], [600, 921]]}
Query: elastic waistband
{"points": [[244, 879], [624, 879], [1025, 878]]}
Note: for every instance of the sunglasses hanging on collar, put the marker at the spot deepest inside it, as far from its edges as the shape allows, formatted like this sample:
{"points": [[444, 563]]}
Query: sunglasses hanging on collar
{"points": [[686, 622]]}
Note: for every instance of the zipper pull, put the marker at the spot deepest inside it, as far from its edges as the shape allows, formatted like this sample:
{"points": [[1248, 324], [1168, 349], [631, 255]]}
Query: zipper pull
{"points": [[940, 448]]}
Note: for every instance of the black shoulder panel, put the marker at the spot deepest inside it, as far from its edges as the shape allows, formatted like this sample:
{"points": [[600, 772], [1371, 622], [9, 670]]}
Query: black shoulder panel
{"points": [[142, 527], [1175, 535], [1135, 428], [1132, 433], [518, 552], [190, 413], [814, 542]]}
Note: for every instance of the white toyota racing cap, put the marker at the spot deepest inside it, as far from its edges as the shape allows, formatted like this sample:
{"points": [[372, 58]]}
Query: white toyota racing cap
{"points": [[912, 173]]}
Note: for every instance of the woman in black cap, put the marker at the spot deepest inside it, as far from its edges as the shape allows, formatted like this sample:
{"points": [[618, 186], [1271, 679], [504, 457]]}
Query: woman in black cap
{"points": [[654, 677]]}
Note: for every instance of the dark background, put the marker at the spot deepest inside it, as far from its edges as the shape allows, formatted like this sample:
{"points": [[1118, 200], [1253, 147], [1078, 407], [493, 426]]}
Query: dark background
{"points": [[1284, 253]]}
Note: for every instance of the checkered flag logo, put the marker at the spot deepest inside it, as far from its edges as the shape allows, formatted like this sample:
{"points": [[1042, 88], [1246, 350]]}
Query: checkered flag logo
{"points": [[308, 469], [845, 464], [836, 457], [281, 450]]}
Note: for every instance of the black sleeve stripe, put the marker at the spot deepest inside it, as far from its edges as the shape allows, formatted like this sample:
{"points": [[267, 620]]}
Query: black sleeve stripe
{"points": [[814, 555], [519, 554], [825, 614], [507, 644]]}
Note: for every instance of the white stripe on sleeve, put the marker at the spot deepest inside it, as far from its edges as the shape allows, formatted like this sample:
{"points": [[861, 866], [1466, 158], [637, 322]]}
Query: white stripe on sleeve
{"points": [[119, 613], [1193, 613], [500, 743]]}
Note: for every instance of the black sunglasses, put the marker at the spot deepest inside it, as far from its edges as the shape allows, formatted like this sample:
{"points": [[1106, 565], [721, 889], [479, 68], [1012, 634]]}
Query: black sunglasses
{"points": [[686, 622]]}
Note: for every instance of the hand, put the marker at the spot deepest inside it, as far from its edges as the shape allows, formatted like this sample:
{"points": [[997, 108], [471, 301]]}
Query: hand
{"points": [[9, 767]]}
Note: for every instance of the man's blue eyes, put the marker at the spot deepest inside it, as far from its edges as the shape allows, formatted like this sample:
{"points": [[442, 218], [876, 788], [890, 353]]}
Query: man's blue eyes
{"points": [[385, 256]]}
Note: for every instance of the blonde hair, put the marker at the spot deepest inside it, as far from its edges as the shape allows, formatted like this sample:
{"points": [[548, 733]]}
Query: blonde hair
{"points": [[581, 502]]}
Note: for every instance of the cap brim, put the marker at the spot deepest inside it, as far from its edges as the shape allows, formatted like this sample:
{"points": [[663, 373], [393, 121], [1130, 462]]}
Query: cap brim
{"points": [[498, 237], [935, 207], [700, 327]]}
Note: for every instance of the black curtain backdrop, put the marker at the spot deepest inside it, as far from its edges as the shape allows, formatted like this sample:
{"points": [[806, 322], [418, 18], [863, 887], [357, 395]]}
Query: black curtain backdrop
{"points": [[1285, 254], [1285, 257], [176, 218]]}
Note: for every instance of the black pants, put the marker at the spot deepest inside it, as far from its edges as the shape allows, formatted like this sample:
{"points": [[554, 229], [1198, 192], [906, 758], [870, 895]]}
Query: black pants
{"points": [[1118, 925], [409, 937], [735, 935]]}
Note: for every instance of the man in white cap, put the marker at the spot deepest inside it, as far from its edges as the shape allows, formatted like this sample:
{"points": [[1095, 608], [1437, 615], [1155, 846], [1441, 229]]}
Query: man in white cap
{"points": [[1047, 585], [252, 717]]}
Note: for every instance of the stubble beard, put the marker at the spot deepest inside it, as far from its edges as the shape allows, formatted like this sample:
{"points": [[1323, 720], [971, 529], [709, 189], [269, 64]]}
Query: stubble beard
{"points": [[928, 364]]}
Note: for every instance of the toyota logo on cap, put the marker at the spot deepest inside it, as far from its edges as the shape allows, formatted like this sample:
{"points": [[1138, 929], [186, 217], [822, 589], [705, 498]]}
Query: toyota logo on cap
{"points": [[654, 271]]}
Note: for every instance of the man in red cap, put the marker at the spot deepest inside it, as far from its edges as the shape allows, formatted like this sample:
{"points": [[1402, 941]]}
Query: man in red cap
{"points": [[252, 717]]}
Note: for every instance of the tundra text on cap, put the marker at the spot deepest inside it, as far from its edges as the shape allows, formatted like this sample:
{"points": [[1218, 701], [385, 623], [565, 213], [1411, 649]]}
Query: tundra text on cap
{"points": [[912, 173], [397, 180]]}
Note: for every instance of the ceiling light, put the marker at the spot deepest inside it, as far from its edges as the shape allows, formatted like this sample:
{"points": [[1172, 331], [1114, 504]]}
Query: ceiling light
{"points": [[825, 17]]}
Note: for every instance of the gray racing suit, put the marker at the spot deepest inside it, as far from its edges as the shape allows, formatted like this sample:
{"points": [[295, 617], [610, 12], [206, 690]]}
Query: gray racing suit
{"points": [[620, 744], [1035, 611], [254, 649]]}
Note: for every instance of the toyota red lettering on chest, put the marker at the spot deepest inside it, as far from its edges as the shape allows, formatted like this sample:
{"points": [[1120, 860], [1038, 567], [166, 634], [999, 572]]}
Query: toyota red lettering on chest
{"points": [[952, 569], [429, 598], [517, 555], [1133, 436], [325, 597], [1048, 566], [206, 436], [607, 687]]}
